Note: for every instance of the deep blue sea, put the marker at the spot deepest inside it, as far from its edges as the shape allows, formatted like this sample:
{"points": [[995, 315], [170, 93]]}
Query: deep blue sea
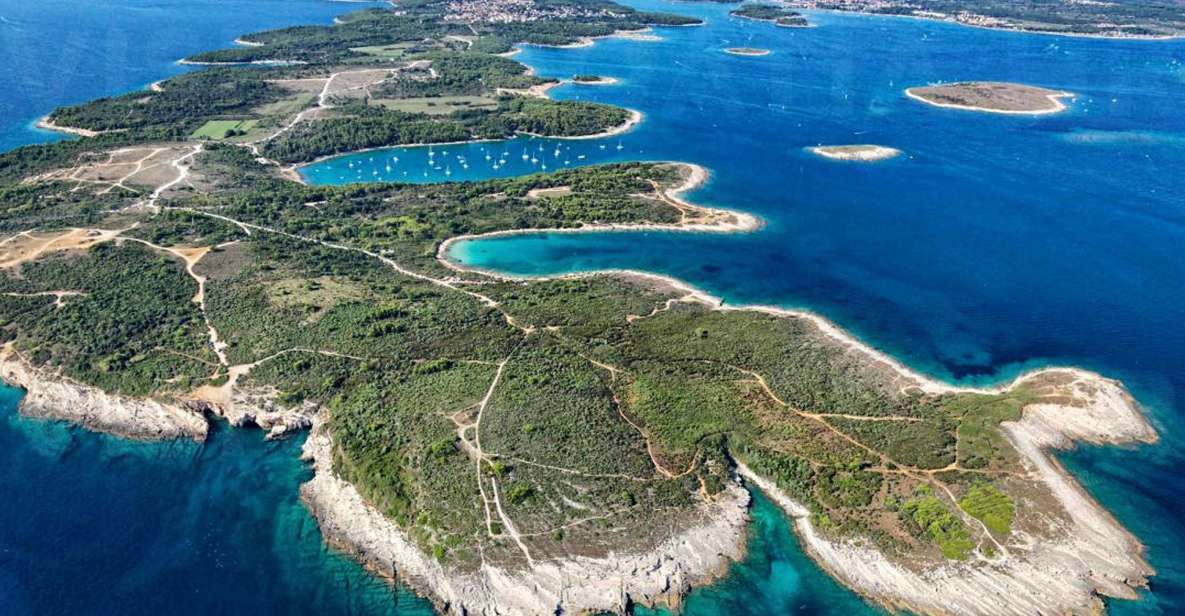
{"points": [[997, 243], [58, 52]]}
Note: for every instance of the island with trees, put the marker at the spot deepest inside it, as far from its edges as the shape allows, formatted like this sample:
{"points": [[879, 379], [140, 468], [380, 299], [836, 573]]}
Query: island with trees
{"points": [[776, 13]]}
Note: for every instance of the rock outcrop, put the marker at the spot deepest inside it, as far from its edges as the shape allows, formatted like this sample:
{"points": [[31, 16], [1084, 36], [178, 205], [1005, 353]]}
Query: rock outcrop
{"points": [[693, 555], [53, 396], [1085, 552]]}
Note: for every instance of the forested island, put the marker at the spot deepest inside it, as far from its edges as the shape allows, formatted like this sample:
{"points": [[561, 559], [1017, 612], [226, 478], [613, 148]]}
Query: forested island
{"points": [[778, 14], [573, 444]]}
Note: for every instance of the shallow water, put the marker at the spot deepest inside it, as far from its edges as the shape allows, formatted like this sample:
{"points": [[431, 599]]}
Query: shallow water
{"points": [[92, 524], [994, 245], [774, 578]]}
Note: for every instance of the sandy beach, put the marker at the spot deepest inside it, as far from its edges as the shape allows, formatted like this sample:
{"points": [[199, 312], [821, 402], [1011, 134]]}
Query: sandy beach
{"points": [[1087, 554], [625, 127], [44, 123], [720, 221]]}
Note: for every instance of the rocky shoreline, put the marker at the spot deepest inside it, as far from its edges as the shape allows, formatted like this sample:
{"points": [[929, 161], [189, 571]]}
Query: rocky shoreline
{"points": [[1087, 555], [692, 556], [52, 396]]}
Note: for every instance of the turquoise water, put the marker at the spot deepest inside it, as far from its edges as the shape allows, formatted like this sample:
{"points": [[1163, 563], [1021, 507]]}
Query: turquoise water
{"points": [[775, 577], [995, 244], [92, 524], [472, 161]]}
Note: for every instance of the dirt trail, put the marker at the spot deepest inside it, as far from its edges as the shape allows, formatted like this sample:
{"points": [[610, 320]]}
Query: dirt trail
{"points": [[191, 257], [441, 282], [182, 176], [27, 246], [59, 296], [479, 458], [921, 475]]}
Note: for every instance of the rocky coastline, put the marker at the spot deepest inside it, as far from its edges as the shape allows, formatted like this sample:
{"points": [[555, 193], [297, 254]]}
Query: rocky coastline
{"points": [[53, 396], [691, 556], [1086, 555]]}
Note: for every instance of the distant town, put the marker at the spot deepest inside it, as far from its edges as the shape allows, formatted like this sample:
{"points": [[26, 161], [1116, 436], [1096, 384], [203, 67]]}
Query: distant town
{"points": [[515, 11]]}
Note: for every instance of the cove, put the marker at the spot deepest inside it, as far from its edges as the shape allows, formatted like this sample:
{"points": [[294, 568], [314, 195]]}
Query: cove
{"points": [[480, 160], [775, 577], [95, 524], [994, 245]]}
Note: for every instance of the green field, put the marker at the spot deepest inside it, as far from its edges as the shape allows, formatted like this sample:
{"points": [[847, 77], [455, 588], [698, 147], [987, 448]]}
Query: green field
{"points": [[222, 129], [393, 52], [286, 106], [438, 105]]}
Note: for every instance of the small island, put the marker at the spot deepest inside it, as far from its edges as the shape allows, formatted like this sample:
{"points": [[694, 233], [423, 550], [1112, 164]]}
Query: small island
{"points": [[747, 51], [992, 97], [780, 15], [593, 80], [860, 153]]}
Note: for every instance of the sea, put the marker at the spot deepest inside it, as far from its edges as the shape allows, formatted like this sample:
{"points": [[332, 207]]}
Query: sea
{"points": [[993, 245]]}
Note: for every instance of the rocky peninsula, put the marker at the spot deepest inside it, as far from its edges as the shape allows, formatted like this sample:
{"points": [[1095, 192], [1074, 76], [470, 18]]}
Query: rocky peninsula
{"points": [[509, 445]]}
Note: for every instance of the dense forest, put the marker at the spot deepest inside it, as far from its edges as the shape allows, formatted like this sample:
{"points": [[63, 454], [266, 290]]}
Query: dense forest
{"points": [[770, 12]]}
